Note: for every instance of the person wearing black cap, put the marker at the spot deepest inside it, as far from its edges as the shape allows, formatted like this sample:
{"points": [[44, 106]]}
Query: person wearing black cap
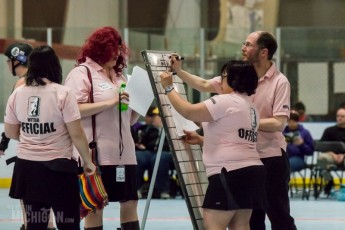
{"points": [[17, 54], [17, 61], [146, 138]]}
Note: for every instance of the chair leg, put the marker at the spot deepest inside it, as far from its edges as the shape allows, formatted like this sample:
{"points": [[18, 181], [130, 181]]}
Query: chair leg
{"points": [[317, 183], [304, 188], [292, 182]]}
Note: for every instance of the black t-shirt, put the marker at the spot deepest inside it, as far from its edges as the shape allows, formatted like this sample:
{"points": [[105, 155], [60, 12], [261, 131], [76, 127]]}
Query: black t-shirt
{"points": [[149, 136], [334, 133]]}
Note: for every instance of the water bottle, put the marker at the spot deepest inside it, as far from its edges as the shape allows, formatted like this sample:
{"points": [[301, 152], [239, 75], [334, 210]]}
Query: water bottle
{"points": [[123, 106]]}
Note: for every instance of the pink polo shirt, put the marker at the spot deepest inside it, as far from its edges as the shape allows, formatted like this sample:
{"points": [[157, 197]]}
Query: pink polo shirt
{"points": [[42, 112], [230, 139], [272, 98], [107, 121]]}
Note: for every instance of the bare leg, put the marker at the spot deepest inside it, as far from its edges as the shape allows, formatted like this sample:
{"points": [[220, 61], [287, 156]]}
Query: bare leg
{"points": [[51, 220], [94, 219], [128, 211], [217, 219], [23, 212], [240, 220]]}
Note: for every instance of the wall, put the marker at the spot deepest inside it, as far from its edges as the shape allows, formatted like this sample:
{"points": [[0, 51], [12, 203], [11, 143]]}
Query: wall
{"points": [[317, 13]]}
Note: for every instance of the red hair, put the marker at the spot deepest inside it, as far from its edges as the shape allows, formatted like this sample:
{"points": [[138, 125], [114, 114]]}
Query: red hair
{"points": [[101, 46]]}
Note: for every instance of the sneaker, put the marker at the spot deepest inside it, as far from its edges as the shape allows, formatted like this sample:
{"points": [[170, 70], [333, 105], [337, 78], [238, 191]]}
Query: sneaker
{"points": [[165, 195]]}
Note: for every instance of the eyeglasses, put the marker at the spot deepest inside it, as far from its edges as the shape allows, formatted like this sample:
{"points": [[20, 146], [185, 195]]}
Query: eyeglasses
{"points": [[248, 44]]}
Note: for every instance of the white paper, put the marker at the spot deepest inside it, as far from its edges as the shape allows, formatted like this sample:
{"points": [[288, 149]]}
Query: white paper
{"points": [[140, 91], [182, 123]]}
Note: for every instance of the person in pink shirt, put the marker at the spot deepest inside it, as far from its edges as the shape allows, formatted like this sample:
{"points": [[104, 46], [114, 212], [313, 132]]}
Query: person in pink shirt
{"points": [[43, 116], [230, 122], [272, 99], [104, 54], [17, 62]]}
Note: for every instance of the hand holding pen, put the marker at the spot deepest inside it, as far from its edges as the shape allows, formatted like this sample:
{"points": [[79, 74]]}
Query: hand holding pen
{"points": [[175, 63]]}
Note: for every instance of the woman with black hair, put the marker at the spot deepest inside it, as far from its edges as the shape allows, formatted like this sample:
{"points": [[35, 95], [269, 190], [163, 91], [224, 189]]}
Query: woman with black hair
{"points": [[44, 117], [233, 166]]}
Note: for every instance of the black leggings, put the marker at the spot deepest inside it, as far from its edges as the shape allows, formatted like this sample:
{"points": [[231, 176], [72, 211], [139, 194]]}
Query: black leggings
{"points": [[37, 213]]}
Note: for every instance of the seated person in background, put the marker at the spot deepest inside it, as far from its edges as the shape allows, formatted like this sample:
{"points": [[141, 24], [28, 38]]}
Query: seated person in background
{"points": [[146, 138], [300, 108], [299, 142], [330, 159]]}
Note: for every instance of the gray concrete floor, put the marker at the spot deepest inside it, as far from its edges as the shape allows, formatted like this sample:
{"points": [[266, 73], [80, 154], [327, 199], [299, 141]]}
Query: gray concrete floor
{"points": [[318, 214]]}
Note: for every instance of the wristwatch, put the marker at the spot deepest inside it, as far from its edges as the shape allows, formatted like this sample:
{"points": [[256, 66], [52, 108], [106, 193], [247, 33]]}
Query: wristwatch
{"points": [[169, 88]]}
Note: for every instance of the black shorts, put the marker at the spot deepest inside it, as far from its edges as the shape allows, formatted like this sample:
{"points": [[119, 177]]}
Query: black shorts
{"points": [[238, 189], [120, 191]]}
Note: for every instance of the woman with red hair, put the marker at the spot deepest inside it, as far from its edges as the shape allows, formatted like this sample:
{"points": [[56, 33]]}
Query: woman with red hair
{"points": [[104, 54]]}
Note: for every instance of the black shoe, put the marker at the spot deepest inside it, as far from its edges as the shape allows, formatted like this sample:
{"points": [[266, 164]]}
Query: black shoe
{"points": [[328, 187]]}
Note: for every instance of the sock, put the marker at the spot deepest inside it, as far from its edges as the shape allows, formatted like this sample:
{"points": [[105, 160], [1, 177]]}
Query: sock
{"points": [[95, 228], [130, 225]]}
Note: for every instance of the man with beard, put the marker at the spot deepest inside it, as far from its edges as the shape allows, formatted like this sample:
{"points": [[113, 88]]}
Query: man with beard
{"points": [[272, 99]]}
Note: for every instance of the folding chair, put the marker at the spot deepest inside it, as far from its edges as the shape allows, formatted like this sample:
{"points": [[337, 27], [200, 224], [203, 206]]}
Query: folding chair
{"points": [[310, 164], [326, 146]]}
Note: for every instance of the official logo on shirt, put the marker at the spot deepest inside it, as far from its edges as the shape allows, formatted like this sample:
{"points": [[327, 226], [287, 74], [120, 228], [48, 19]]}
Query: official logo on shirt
{"points": [[254, 121], [286, 107], [34, 106]]}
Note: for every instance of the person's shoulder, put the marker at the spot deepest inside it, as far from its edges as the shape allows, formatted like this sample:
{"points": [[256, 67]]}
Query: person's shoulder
{"points": [[301, 128], [19, 82], [332, 127], [279, 76], [82, 68], [61, 88]]}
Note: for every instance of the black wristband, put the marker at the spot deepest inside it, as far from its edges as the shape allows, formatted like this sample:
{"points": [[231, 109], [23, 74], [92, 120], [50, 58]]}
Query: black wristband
{"points": [[4, 142]]}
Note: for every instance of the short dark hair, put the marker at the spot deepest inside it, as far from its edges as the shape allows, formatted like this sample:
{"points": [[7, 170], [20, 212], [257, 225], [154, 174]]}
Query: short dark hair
{"points": [[242, 77], [43, 63], [294, 116], [299, 106], [268, 41]]}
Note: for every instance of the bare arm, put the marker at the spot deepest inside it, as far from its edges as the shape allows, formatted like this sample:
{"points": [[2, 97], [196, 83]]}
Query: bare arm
{"points": [[89, 109], [193, 81], [79, 140], [12, 131], [134, 117], [274, 124], [195, 112]]}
